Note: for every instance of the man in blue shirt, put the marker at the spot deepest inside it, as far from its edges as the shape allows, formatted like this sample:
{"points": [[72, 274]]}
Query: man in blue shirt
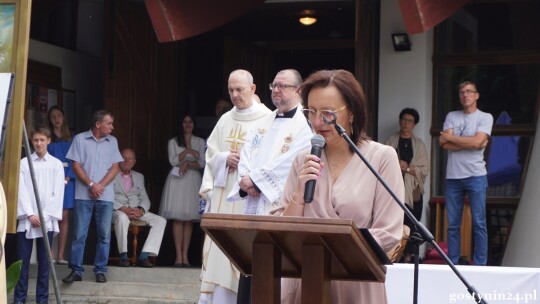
{"points": [[96, 159]]}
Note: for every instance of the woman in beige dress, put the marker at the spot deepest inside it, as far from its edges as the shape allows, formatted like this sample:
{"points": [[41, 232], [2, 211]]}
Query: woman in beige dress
{"points": [[345, 187]]}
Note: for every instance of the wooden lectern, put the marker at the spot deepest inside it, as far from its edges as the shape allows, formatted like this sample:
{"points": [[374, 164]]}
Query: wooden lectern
{"points": [[316, 250]]}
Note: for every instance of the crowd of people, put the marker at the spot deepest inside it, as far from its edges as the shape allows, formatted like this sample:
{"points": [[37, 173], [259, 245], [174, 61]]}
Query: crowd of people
{"points": [[257, 162]]}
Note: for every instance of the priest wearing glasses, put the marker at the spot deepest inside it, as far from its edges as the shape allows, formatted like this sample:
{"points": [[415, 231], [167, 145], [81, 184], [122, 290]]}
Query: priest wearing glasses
{"points": [[266, 158]]}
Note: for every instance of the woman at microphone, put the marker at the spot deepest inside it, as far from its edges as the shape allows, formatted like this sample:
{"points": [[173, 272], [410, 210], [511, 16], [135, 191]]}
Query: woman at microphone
{"points": [[345, 188]]}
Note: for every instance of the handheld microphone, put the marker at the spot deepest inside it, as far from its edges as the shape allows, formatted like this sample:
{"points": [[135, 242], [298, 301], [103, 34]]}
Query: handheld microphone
{"points": [[317, 144]]}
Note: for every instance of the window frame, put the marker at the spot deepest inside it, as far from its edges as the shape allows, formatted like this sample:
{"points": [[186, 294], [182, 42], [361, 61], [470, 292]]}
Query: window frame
{"points": [[481, 58]]}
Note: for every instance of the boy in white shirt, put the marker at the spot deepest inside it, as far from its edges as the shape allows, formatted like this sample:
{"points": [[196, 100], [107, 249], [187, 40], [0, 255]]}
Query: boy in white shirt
{"points": [[49, 176]]}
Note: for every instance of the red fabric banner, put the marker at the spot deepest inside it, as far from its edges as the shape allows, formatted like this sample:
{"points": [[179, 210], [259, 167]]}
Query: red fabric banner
{"points": [[175, 20], [422, 15]]}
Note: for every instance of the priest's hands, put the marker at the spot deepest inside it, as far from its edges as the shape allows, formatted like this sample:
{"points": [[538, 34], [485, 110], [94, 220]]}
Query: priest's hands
{"points": [[246, 184], [233, 159]]}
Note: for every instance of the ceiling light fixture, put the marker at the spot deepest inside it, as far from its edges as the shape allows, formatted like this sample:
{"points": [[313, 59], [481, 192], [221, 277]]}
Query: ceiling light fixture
{"points": [[307, 20], [307, 17]]}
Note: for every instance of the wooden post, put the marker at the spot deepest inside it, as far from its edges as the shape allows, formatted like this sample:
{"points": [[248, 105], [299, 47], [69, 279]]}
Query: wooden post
{"points": [[315, 272], [266, 279]]}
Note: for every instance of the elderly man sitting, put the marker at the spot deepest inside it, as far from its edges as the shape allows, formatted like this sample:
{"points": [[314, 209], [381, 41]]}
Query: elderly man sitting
{"points": [[131, 202]]}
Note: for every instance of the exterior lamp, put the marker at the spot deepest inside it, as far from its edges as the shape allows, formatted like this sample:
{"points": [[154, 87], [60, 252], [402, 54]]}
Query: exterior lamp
{"points": [[401, 42]]}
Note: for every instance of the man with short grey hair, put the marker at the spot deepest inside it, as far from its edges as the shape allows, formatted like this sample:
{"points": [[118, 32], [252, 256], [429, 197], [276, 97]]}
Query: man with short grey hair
{"points": [[95, 157], [267, 156], [219, 276], [131, 202]]}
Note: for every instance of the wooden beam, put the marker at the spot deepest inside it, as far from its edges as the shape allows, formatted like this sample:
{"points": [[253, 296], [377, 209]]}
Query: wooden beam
{"points": [[14, 132]]}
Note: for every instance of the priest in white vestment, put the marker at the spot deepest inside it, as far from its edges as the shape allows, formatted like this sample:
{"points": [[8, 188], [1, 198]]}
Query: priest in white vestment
{"points": [[265, 160], [219, 276], [267, 156]]}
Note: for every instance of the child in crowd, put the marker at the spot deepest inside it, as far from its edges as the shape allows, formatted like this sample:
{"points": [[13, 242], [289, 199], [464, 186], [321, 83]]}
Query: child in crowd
{"points": [[60, 143], [49, 177]]}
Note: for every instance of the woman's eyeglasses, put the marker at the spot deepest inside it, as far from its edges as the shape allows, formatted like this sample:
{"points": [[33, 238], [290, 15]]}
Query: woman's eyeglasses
{"points": [[328, 116], [407, 121]]}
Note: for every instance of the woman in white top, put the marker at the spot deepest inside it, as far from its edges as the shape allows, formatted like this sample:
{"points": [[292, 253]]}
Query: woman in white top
{"points": [[180, 198]]}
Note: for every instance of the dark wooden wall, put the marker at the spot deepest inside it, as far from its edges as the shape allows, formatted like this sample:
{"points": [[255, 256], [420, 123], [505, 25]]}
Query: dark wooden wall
{"points": [[141, 89], [367, 58], [143, 83]]}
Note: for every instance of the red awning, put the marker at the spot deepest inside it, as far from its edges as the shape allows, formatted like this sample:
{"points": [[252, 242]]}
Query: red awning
{"points": [[180, 19], [422, 15]]}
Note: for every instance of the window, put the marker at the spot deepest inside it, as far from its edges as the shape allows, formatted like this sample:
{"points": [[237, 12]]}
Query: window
{"points": [[510, 93], [491, 26], [494, 44]]}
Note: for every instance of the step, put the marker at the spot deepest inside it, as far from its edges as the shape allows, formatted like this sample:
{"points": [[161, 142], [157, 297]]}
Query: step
{"points": [[111, 300], [126, 285], [115, 300], [134, 274]]}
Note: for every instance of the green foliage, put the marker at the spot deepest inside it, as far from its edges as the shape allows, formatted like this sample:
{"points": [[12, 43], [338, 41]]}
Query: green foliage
{"points": [[12, 275]]}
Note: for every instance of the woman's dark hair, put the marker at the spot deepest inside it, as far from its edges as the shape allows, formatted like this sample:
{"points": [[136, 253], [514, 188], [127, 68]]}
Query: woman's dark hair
{"points": [[411, 112], [351, 91], [180, 139], [66, 133]]}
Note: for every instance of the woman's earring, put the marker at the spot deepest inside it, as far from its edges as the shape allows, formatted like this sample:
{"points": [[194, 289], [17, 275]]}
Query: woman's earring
{"points": [[352, 130]]}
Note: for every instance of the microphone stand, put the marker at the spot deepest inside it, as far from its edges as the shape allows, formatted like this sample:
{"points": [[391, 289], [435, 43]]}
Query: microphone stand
{"points": [[423, 234]]}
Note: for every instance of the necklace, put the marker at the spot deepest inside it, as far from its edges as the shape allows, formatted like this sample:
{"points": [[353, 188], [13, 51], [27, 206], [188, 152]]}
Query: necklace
{"points": [[405, 142]]}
